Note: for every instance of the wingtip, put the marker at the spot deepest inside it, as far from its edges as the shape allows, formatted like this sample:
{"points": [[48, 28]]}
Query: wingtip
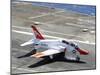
{"points": [[21, 45]]}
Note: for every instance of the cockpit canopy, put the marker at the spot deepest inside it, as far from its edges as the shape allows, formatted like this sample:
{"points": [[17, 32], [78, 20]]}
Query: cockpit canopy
{"points": [[70, 43]]}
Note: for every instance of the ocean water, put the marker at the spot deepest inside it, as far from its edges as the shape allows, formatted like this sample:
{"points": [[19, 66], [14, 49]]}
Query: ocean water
{"points": [[84, 9]]}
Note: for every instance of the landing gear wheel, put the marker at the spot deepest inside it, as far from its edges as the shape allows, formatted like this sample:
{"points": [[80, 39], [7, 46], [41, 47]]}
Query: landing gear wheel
{"points": [[77, 58], [33, 51]]}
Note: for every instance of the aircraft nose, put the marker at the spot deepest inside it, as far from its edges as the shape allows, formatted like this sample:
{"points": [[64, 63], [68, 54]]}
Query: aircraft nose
{"points": [[83, 52]]}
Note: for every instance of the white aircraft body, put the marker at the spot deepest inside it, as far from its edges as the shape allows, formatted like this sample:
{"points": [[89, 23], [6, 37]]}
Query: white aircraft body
{"points": [[53, 46]]}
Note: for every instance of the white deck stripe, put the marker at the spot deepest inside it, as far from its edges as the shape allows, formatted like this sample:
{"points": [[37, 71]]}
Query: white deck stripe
{"points": [[48, 31], [44, 15], [77, 25], [28, 33]]}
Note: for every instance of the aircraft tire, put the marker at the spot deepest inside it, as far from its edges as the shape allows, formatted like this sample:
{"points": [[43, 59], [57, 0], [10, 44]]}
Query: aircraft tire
{"points": [[78, 58]]}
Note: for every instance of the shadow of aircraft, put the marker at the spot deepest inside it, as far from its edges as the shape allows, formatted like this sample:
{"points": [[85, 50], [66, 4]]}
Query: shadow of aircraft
{"points": [[57, 58], [27, 54], [46, 60]]}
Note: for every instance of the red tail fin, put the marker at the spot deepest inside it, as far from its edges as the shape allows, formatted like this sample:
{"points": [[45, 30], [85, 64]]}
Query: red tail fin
{"points": [[37, 33], [83, 52]]}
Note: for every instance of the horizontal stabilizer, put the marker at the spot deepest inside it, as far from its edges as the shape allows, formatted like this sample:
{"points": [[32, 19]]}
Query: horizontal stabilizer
{"points": [[27, 43]]}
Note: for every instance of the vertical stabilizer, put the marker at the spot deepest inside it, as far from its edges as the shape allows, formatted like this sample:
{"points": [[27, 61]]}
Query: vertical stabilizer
{"points": [[37, 34]]}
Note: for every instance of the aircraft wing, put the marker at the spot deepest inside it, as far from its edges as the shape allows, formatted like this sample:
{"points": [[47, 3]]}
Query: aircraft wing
{"points": [[54, 50]]}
